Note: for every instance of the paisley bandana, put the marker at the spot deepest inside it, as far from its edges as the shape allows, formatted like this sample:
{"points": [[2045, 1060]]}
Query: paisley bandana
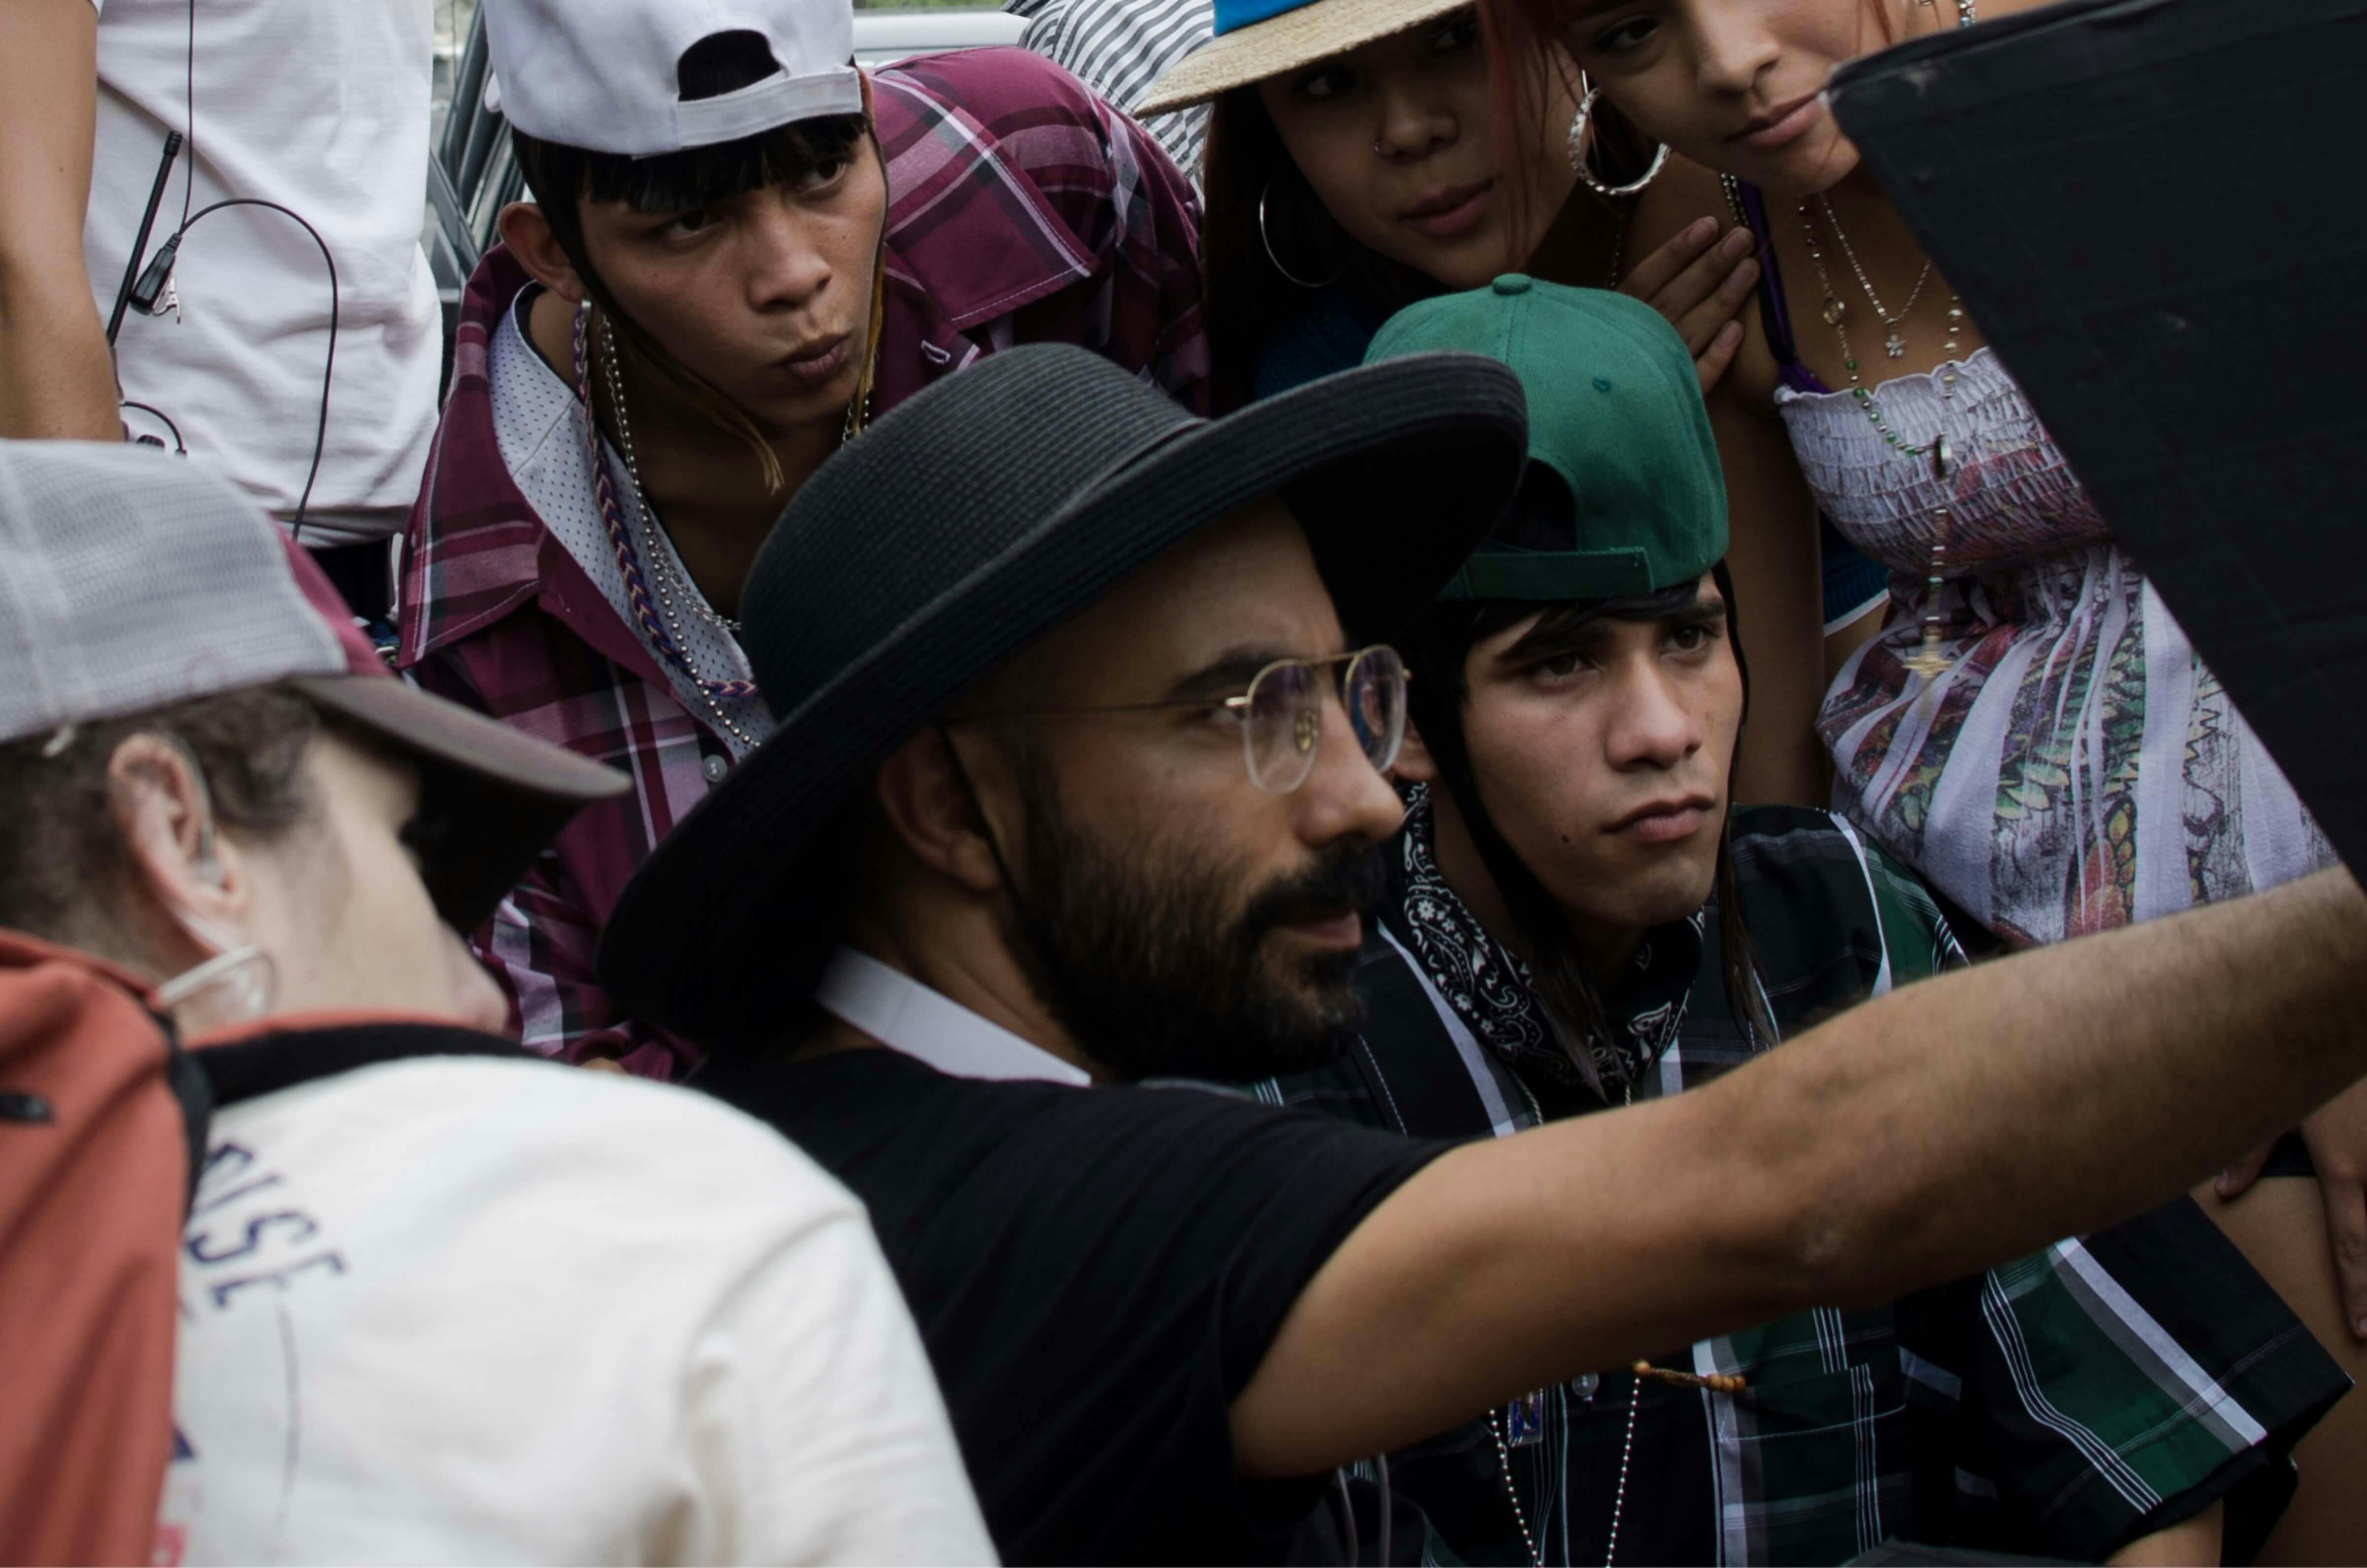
{"points": [[1489, 986]]}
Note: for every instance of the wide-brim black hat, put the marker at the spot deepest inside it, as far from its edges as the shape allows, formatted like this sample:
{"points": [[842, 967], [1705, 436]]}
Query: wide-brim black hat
{"points": [[961, 528]]}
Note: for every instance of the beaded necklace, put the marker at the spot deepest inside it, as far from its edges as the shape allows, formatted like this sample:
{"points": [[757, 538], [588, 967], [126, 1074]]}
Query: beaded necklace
{"points": [[1641, 1372], [655, 614], [1929, 660]]}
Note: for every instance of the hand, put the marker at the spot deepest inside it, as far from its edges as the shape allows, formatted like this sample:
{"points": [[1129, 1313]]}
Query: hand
{"points": [[2337, 1138], [1699, 283]]}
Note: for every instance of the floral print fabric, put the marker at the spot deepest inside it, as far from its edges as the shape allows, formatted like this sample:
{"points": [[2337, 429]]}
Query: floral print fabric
{"points": [[2075, 767]]}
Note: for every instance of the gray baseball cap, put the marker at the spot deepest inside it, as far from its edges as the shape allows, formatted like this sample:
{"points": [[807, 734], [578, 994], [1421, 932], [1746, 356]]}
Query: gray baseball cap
{"points": [[130, 579]]}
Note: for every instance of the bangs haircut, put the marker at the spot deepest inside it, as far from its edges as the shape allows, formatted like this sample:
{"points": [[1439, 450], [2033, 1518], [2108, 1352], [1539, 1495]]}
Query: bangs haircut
{"points": [[685, 181], [1568, 627]]}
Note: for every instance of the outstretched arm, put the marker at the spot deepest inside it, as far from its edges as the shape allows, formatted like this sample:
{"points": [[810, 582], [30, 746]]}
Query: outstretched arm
{"points": [[56, 381], [1923, 1135]]}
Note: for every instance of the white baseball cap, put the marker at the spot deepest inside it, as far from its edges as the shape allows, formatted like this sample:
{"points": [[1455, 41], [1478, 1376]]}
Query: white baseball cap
{"points": [[601, 74]]}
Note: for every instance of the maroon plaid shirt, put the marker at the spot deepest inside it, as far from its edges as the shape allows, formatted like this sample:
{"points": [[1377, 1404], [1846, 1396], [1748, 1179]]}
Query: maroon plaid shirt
{"points": [[1022, 209]]}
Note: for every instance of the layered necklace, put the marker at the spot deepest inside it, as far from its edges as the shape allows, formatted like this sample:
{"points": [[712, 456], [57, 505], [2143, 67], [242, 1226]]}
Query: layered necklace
{"points": [[653, 592], [1930, 659], [1529, 1410]]}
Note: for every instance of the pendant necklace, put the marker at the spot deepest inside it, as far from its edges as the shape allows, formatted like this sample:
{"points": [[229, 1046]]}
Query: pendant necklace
{"points": [[1930, 659], [1894, 343]]}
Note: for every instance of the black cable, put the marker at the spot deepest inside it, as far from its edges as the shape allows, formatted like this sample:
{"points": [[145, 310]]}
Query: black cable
{"points": [[190, 112], [156, 276], [140, 241], [178, 447], [161, 267]]}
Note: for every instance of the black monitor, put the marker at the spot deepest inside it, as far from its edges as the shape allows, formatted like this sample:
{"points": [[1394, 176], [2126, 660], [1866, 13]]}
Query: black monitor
{"points": [[2156, 212]]}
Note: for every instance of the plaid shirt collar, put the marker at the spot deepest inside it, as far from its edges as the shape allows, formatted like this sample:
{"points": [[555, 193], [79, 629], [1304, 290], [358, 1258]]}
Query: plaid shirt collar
{"points": [[970, 238]]}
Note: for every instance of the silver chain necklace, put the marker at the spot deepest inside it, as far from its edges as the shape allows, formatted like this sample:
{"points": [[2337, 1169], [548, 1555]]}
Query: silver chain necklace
{"points": [[661, 574], [1627, 1452], [665, 579], [660, 567], [1893, 342]]}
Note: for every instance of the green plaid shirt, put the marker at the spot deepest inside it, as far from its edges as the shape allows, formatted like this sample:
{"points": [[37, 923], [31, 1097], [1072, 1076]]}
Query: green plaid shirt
{"points": [[2063, 1403]]}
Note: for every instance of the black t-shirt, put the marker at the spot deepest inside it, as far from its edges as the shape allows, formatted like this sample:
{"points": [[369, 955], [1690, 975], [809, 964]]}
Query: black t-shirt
{"points": [[1096, 1273]]}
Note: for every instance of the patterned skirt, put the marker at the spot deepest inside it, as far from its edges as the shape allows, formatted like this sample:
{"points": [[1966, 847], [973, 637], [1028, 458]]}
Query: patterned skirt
{"points": [[2074, 768]]}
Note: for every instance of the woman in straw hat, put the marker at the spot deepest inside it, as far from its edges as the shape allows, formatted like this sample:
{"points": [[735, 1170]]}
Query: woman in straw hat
{"points": [[1359, 159]]}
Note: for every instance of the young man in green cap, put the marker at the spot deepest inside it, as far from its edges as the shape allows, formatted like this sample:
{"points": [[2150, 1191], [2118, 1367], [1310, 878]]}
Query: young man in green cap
{"points": [[1575, 919]]}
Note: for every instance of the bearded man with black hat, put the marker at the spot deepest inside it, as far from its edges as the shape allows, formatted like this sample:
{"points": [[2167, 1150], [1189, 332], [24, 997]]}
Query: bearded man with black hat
{"points": [[1576, 917], [1077, 779]]}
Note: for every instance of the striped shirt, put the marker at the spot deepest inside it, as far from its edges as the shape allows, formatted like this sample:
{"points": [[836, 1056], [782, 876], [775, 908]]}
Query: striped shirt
{"points": [[1118, 48], [1021, 210], [2061, 1405]]}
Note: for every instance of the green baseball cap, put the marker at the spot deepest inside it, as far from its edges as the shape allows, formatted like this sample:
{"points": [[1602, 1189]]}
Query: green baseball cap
{"points": [[1615, 410]]}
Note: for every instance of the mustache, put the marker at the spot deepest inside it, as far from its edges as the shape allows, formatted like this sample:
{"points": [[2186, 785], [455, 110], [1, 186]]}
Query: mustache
{"points": [[1341, 880]]}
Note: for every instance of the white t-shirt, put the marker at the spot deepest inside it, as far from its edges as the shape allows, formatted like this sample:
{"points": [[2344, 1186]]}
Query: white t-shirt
{"points": [[464, 1310], [323, 108]]}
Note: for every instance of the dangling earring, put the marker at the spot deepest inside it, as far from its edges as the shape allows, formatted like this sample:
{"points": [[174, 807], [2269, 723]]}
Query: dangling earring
{"points": [[1578, 124], [1265, 238]]}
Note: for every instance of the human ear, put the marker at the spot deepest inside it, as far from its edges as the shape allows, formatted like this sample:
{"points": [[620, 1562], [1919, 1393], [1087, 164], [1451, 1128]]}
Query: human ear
{"points": [[528, 235], [191, 894], [929, 809], [1414, 763]]}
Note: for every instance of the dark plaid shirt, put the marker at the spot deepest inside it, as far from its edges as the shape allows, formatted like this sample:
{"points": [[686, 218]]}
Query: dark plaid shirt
{"points": [[1022, 209], [2060, 1404]]}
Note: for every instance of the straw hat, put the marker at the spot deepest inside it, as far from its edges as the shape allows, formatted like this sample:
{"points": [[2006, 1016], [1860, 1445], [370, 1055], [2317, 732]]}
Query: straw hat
{"points": [[1258, 38]]}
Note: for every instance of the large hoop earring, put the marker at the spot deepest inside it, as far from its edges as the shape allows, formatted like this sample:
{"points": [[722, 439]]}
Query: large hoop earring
{"points": [[1578, 123], [1266, 239]]}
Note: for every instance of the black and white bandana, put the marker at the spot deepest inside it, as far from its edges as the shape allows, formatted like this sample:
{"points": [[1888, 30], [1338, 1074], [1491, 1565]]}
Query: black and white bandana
{"points": [[1489, 986]]}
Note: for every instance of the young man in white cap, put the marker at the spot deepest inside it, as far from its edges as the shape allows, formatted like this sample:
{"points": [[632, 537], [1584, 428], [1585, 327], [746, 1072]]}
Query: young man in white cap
{"points": [[742, 248], [1081, 782], [439, 1300]]}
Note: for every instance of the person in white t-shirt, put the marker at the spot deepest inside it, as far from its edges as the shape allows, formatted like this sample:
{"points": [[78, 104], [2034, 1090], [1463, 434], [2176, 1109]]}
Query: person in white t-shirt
{"points": [[440, 1301], [321, 109]]}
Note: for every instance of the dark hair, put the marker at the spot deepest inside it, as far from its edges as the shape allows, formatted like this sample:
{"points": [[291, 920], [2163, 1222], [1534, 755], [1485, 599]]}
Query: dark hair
{"points": [[1247, 297], [1437, 650], [562, 178], [1245, 162], [63, 863]]}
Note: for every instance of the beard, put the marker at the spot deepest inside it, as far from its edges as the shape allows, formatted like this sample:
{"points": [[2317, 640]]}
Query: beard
{"points": [[1140, 957]]}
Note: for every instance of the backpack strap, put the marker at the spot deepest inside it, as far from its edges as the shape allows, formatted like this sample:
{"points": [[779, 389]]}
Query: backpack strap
{"points": [[194, 1092], [286, 1051]]}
